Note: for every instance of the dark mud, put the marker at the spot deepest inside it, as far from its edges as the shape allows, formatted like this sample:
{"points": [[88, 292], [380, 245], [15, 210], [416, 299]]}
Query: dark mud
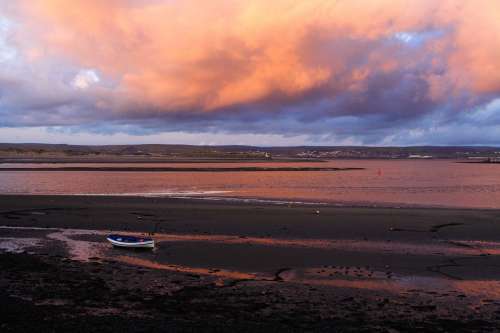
{"points": [[53, 293]]}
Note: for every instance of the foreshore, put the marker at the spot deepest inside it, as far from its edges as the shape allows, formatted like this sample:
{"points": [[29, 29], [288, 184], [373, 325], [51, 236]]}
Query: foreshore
{"points": [[223, 266]]}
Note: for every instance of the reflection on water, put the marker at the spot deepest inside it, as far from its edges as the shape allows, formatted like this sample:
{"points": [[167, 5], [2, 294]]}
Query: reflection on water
{"points": [[438, 247], [79, 249], [222, 273], [18, 245], [471, 288], [491, 248], [383, 182]]}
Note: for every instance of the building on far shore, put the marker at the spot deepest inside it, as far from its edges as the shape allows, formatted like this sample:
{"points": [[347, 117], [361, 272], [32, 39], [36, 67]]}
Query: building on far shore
{"points": [[419, 156], [485, 159]]}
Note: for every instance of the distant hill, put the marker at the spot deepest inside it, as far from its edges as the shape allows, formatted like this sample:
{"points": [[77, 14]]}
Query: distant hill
{"points": [[166, 152]]}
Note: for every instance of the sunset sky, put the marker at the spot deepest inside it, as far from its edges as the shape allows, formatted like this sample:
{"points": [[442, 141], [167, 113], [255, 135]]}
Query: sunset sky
{"points": [[260, 72]]}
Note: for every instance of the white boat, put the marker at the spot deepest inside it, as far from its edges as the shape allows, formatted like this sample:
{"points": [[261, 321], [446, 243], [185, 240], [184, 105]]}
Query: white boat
{"points": [[131, 241]]}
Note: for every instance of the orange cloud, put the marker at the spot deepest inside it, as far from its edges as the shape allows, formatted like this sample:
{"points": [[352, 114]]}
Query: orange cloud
{"points": [[206, 55]]}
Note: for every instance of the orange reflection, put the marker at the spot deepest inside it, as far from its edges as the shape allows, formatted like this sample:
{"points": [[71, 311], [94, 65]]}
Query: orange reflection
{"points": [[185, 269]]}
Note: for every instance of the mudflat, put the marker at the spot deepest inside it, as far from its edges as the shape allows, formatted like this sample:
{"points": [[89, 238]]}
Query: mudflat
{"points": [[222, 266]]}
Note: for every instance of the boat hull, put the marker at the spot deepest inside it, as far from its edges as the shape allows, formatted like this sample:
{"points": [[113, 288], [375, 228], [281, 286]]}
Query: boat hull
{"points": [[131, 242]]}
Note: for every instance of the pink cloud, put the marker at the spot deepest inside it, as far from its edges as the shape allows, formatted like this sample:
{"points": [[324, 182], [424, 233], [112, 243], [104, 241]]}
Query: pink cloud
{"points": [[211, 55]]}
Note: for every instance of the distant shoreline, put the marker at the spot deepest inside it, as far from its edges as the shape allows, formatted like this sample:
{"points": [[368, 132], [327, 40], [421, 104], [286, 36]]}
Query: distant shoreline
{"points": [[125, 160], [169, 152], [174, 169], [479, 162]]}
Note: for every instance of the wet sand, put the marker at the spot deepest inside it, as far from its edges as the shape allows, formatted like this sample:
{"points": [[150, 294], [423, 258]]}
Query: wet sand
{"points": [[227, 266]]}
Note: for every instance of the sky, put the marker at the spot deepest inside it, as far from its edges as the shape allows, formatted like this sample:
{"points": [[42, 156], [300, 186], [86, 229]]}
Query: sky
{"points": [[282, 72]]}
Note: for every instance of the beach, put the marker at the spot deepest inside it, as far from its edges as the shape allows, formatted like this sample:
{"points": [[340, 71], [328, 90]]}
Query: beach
{"points": [[221, 266]]}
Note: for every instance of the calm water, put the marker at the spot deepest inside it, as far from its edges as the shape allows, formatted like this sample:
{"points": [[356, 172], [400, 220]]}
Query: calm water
{"points": [[383, 182]]}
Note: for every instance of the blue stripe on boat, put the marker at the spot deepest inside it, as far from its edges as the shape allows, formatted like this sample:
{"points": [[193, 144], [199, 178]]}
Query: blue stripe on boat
{"points": [[129, 239]]}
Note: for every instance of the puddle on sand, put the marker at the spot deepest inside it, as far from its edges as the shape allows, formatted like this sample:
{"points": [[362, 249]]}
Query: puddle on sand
{"points": [[221, 273], [491, 248], [18, 245], [79, 249], [359, 278], [433, 248]]}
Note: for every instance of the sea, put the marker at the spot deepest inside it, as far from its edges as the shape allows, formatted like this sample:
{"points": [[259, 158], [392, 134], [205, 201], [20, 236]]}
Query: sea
{"points": [[381, 183]]}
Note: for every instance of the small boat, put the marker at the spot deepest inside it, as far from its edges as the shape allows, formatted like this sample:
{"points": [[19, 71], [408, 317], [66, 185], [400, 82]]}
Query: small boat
{"points": [[131, 241]]}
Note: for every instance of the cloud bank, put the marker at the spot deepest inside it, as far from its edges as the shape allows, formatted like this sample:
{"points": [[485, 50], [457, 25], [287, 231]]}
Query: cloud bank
{"points": [[373, 72]]}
